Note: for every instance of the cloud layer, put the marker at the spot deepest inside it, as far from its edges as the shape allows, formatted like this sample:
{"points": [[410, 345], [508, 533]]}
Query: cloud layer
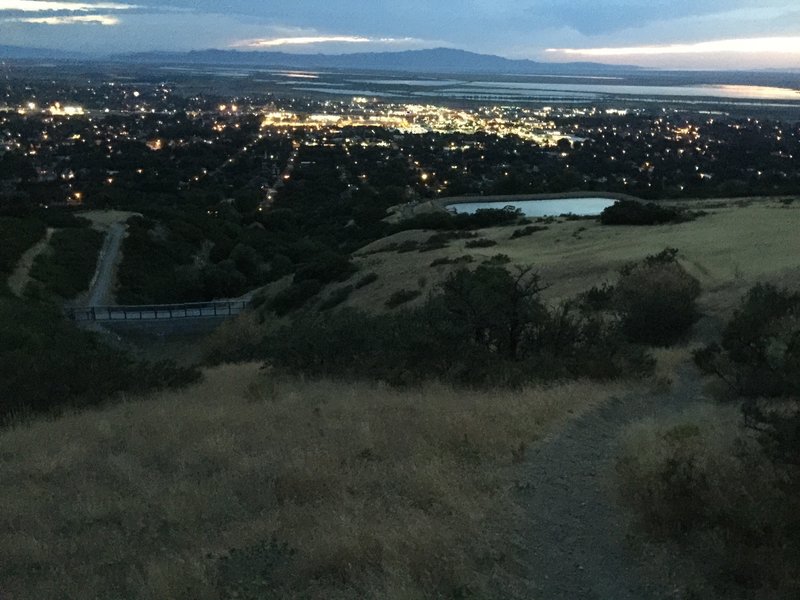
{"points": [[48, 6], [776, 45], [107, 20], [690, 33]]}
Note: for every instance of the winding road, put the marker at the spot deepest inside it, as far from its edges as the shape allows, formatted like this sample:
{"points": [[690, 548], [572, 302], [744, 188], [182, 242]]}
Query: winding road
{"points": [[22, 274], [100, 288]]}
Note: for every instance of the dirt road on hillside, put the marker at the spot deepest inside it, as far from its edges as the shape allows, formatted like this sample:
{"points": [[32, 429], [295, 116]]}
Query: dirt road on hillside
{"points": [[22, 274], [100, 289]]}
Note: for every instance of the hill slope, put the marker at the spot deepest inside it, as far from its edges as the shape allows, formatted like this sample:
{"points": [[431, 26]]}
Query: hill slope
{"points": [[179, 496], [437, 60]]}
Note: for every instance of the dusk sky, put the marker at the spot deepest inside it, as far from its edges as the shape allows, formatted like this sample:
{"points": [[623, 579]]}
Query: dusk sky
{"points": [[671, 33]]}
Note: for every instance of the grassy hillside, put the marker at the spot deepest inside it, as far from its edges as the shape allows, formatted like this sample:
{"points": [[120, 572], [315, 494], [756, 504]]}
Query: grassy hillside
{"points": [[736, 244], [250, 487]]}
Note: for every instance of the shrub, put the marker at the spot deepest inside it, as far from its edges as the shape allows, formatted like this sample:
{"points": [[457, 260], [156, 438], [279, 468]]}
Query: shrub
{"points": [[295, 296], [759, 357], [48, 364], [760, 350], [407, 246], [151, 261], [465, 259], [325, 267], [222, 280], [632, 212], [498, 260], [368, 279], [598, 298], [485, 327], [280, 266], [443, 221], [402, 297], [336, 297], [656, 300], [482, 243], [526, 231], [702, 480], [440, 240]]}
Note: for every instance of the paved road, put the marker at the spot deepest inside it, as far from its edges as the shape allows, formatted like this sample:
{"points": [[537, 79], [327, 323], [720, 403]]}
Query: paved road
{"points": [[100, 289]]}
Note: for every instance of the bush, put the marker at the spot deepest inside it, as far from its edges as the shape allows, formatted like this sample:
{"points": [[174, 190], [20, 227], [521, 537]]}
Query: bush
{"points": [[631, 212], [465, 259], [441, 240], [368, 279], [703, 480], [402, 297], [407, 246], [151, 261], [760, 358], [657, 300], [48, 364], [760, 350], [336, 297], [498, 260], [295, 296], [325, 267], [280, 266], [482, 243], [443, 221], [484, 328], [598, 298], [526, 231], [223, 280]]}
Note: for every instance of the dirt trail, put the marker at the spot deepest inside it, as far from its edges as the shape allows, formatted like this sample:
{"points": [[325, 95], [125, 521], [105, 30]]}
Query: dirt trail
{"points": [[22, 274], [100, 288], [577, 547]]}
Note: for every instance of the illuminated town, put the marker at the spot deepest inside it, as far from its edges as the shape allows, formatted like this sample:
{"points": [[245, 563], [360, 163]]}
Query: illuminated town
{"points": [[91, 145]]}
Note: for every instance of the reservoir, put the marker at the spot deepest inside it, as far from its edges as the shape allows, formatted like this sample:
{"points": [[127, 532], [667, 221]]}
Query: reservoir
{"points": [[583, 207]]}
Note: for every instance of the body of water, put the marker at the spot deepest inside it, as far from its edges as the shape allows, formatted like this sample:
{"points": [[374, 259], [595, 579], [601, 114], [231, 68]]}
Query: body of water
{"points": [[584, 207]]}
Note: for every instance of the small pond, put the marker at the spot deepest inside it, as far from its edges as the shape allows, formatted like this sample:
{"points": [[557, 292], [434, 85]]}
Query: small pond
{"points": [[583, 207]]}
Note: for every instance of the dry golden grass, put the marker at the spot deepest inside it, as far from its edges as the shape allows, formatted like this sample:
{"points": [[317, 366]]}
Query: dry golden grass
{"points": [[382, 493], [734, 246]]}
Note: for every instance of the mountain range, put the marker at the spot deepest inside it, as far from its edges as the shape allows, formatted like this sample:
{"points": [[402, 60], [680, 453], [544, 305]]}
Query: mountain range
{"points": [[437, 60]]}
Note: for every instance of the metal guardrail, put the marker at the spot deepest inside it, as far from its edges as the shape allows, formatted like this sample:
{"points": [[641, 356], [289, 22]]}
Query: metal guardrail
{"points": [[160, 312]]}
